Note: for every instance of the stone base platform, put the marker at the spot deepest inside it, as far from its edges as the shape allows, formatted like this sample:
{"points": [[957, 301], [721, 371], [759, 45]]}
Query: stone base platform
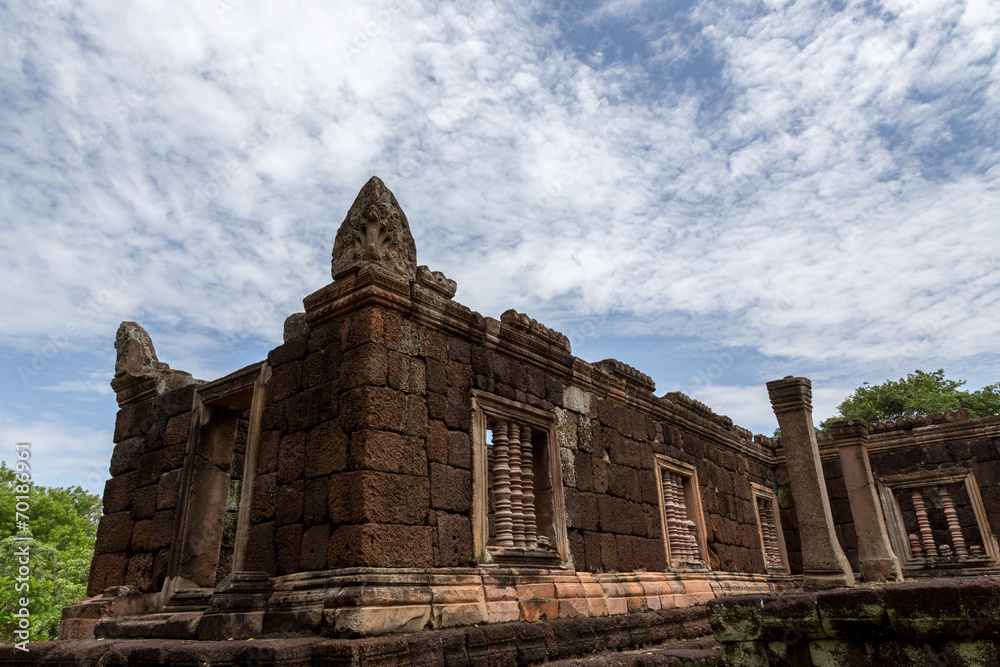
{"points": [[952, 621], [508, 644], [373, 602]]}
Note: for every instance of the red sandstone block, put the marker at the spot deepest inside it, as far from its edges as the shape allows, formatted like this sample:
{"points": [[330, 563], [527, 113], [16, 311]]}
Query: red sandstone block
{"points": [[289, 543], [168, 490], [437, 442], [407, 374], [288, 507], [315, 542], [376, 497], [267, 451], [451, 488], [162, 531], [433, 345], [126, 455], [459, 413], [261, 549], [326, 449], [149, 469], [437, 406], [285, 381], [363, 366], [141, 532], [416, 416], [118, 493], [378, 408], [140, 572], [459, 449], [459, 350], [460, 375], [600, 470], [265, 493], [178, 429], [322, 366], [315, 503], [324, 336], [388, 452], [291, 457], [436, 376], [381, 545], [482, 361], [609, 553], [106, 570], [114, 533], [453, 541], [312, 406]]}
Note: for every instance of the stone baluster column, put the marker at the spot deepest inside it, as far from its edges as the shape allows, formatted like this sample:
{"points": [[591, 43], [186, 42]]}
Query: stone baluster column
{"points": [[673, 536], [878, 561], [915, 548], [772, 554], [501, 485], [528, 488], [516, 497], [924, 524], [823, 562], [957, 540]]}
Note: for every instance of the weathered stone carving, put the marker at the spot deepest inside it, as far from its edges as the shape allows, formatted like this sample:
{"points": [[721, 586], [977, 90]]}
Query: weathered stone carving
{"points": [[375, 232], [138, 373]]}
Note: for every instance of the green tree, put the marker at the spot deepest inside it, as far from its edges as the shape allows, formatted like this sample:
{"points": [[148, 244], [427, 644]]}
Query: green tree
{"points": [[63, 527], [918, 393]]}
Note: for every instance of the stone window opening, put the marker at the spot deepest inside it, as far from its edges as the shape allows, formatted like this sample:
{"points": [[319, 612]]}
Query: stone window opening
{"points": [[518, 513], [681, 516], [772, 539], [937, 520]]}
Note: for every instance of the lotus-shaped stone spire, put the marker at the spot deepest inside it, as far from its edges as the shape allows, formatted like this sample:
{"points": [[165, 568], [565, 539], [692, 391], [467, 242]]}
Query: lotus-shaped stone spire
{"points": [[375, 233]]}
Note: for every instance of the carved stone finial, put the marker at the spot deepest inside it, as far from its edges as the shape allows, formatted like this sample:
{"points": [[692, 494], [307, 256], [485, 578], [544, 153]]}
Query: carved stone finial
{"points": [[136, 355], [375, 232]]}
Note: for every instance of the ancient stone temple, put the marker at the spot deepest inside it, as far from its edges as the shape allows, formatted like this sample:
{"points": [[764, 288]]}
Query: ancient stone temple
{"points": [[405, 481]]}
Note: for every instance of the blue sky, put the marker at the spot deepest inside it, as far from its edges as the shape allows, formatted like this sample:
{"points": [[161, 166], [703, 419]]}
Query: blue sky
{"points": [[718, 193]]}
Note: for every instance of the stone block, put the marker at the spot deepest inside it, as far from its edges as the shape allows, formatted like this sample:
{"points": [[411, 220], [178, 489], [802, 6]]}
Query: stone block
{"points": [[453, 535], [140, 572], [381, 545], [312, 406], [107, 570], [406, 374], [161, 532], [437, 441], [376, 408], [168, 490], [798, 612], [376, 497], [288, 507], [737, 619], [315, 501], [852, 613], [265, 495], [289, 548], [149, 468], [364, 366], [450, 488], [459, 449], [118, 493], [125, 457], [315, 544], [114, 533], [926, 609], [387, 452], [458, 415], [285, 382], [326, 450], [141, 531], [291, 457], [363, 327], [261, 556]]}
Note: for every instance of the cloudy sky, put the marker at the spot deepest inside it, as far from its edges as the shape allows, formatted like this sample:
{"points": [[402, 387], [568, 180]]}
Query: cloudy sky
{"points": [[718, 193]]}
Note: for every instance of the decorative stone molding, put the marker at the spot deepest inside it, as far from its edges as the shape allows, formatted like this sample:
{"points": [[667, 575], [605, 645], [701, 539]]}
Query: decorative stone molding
{"points": [[521, 322], [681, 516], [620, 369], [375, 233], [698, 408]]}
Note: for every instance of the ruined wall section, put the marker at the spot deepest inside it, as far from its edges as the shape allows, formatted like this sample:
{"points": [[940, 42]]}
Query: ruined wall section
{"points": [[140, 499]]}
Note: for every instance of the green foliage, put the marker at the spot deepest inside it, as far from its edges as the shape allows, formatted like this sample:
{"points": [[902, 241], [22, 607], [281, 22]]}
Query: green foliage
{"points": [[63, 525], [919, 393]]}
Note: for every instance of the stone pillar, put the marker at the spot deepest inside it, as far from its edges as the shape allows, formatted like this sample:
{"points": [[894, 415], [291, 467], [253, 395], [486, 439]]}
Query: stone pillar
{"points": [[878, 562], [823, 562]]}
